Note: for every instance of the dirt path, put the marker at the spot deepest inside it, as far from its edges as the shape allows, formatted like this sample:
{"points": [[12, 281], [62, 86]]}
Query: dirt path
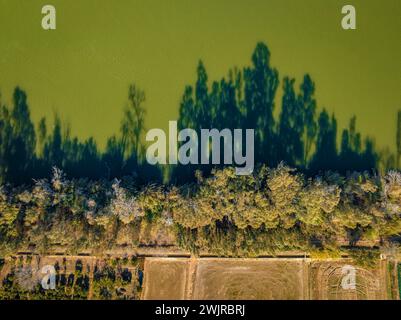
{"points": [[91, 274], [305, 279], [191, 276]]}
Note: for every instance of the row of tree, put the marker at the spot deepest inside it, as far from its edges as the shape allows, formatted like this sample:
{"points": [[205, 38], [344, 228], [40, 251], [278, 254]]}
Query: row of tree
{"points": [[269, 211]]}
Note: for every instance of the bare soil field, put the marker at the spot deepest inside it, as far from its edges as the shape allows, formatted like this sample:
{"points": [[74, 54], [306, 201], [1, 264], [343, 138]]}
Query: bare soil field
{"points": [[165, 278], [326, 277], [214, 278], [261, 278], [249, 279]]}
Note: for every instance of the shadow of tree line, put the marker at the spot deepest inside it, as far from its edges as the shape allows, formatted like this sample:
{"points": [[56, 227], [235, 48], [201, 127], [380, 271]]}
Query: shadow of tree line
{"points": [[301, 137], [26, 153]]}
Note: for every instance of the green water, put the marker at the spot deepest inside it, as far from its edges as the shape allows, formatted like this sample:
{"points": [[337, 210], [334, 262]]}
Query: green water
{"points": [[83, 69]]}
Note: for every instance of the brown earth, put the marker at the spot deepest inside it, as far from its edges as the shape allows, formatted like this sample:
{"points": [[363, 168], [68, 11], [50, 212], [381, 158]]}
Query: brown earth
{"points": [[165, 278], [326, 277], [261, 278], [251, 279]]}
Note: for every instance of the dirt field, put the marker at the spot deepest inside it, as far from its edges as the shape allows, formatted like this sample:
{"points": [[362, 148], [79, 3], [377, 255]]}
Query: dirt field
{"points": [[326, 276], [180, 278], [266, 279], [165, 278], [249, 279]]}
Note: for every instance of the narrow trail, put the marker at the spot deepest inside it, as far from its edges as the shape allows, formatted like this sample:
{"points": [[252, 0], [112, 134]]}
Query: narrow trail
{"points": [[91, 275], [190, 284]]}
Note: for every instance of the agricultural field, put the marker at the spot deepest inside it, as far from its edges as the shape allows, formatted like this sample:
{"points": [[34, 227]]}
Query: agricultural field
{"points": [[165, 278], [325, 281], [264, 279], [250, 279], [211, 278]]}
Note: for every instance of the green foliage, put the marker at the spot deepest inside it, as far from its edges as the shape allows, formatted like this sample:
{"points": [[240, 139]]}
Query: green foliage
{"points": [[243, 211], [23, 283], [366, 258], [110, 281]]}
